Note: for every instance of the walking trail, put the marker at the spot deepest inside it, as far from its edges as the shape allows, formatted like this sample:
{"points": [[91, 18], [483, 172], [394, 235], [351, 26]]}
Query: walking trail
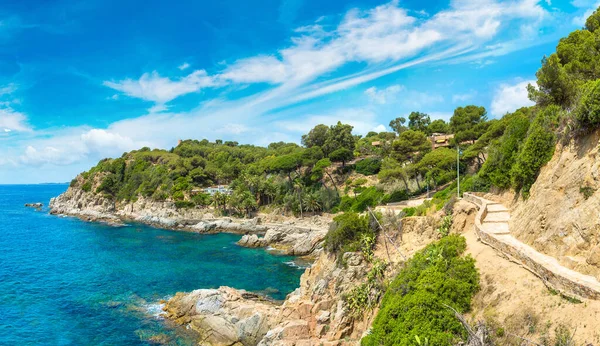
{"points": [[491, 226]]}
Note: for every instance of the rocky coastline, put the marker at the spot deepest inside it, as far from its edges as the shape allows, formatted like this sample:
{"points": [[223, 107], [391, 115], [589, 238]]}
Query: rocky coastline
{"points": [[316, 313], [284, 235]]}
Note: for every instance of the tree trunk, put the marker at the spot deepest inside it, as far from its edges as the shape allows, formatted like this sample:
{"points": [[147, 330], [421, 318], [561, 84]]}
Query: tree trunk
{"points": [[417, 179], [405, 183], [300, 201], [332, 182]]}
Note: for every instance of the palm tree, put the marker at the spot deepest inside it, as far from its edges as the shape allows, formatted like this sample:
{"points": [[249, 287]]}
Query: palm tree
{"points": [[311, 202], [298, 187]]}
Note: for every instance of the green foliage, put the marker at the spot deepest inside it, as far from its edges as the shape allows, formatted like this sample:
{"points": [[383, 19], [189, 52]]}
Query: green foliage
{"points": [[365, 296], [468, 123], [588, 108], [537, 149], [414, 305], [87, 186], [346, 232], [587, 191], [438, 162], [397, 125], [339, 136], [397, 196], [444, 228], [316, 137], [184, 204], [438, 126], [555, 85], [503, 154], [368, 166], [342, 155], [418, 121], [410, 146]]}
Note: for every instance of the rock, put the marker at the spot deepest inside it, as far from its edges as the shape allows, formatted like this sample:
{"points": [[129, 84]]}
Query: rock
{"points": [[594, 256], [34, 205], [323, 317], [223, 316], [250, 240]]}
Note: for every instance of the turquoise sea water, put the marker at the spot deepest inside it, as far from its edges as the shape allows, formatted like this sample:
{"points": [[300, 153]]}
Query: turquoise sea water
{"points": [[67, 282]]}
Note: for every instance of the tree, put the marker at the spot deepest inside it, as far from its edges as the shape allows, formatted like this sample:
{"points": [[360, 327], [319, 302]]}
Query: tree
{"points": [[418, 121], [437, 162], [588, 110], [312, 202], [316, 137], [410, 145], [398, 125], [342, 155], [593, 21], [467, 123], [339, 136], [555, 86], [438, 126]]}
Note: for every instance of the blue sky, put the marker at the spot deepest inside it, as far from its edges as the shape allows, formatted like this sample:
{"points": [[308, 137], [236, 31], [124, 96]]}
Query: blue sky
{"points": [[83, 80]]}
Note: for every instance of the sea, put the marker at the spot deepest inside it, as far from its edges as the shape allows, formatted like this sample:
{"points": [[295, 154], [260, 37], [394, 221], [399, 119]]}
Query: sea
{"points": [[64, 281]]}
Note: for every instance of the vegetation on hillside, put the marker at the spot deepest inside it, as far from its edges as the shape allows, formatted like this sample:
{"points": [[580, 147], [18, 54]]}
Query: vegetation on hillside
{"points": [[416, 303]]}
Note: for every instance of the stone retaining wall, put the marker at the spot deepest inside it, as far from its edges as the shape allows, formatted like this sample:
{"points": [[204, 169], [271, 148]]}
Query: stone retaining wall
{"points": [[547, 268]]}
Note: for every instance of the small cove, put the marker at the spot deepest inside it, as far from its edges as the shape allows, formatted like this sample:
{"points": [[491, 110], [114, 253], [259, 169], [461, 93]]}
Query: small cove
{"points": [[68, 282]]}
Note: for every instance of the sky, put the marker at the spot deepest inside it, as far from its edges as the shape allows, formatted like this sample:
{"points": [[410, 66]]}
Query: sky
{"points": [[84, 80]]}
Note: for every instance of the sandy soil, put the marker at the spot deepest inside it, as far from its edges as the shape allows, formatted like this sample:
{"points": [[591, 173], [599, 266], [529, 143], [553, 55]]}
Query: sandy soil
{"points": [[517, 302]]}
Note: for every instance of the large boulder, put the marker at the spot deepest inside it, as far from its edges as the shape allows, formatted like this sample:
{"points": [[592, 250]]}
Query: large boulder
{"points": [[223, 316]]}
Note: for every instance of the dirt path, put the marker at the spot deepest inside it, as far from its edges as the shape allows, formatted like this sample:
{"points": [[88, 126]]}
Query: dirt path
{"points": [[514, 299]]}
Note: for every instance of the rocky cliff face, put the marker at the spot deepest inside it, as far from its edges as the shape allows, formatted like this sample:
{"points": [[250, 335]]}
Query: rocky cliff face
{"points": [[561, 217], [293, 237], [314, 314]]}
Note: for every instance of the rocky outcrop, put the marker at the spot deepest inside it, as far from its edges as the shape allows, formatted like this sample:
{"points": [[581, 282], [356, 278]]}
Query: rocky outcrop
{"points": [[560, 218], [287, 237], [224, 316], [34, 205], [316, 313]]}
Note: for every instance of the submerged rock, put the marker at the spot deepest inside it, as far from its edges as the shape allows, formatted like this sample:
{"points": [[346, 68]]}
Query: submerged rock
{"points": [[34, 205]]}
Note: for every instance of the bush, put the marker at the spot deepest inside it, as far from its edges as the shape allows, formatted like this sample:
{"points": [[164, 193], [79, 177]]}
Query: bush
{"points": [[369, 197], [396, 196], [346, 232], [537, 149], [368, 166], [414, 305], [184, 204], [588, 109]]}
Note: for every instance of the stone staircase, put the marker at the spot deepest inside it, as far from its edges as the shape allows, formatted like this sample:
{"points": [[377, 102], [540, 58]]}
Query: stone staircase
{"points": [[491, 226]]}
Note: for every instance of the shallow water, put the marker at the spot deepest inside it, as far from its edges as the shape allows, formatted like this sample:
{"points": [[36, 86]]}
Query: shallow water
{"points": [[68, 282]]}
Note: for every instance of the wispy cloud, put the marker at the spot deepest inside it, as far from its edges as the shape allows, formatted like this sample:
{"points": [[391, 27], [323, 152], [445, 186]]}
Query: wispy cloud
{"points": [[382, 96], [510, 97], [153, 87], [382, 40]]}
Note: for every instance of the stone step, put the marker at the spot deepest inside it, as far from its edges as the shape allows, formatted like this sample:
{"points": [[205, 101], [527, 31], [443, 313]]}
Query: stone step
{"points": [[496, 228], [497, 217], [494, 208]]}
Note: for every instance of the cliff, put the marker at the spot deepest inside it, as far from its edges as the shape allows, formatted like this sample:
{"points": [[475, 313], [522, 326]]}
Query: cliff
{"points": [[561, 216], [317, 313]]}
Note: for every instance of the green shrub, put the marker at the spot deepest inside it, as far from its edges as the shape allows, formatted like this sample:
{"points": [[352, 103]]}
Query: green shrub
{"points": [[87, 186], [586, 191], [414, 304], [184, 204], [537, 149], [369, 197], [410, 211], [397, 196], [368, 166], [347, 231], [588, 109]]}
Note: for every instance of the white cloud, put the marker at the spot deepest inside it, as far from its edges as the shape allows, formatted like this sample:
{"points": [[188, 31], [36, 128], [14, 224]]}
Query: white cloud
{"points": [[509, 98], [11, 120], [153, 87], [183, 66], [463, 97], [382, 96], [591, 7], [256, 70]]}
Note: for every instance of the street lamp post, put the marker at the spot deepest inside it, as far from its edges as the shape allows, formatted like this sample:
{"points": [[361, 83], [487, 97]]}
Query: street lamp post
{"points": [[457, 172]]}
